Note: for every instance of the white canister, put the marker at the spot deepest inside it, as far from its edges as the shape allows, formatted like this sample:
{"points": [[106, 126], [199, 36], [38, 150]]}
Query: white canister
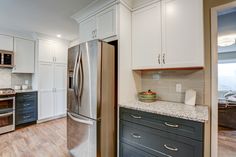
{"points": [[24, 87]]}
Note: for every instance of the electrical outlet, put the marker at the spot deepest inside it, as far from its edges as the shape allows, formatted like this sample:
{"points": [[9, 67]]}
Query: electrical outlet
{"points": [[26, 82], [178, 88]]}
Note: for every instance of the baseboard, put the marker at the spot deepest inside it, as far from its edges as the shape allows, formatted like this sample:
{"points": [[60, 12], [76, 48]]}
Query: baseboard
{"points": [[51, 118]]}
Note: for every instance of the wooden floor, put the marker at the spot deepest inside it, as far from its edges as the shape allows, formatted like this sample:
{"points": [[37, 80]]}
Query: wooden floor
{"points": [[227, 142], [40, 140]]}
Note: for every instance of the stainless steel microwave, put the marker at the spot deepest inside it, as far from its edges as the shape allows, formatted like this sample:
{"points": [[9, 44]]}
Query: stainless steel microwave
{"points": [[6, 58]]}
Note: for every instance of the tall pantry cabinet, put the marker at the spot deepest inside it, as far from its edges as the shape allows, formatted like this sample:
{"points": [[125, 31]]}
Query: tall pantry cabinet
{"points": [[52, 75]]}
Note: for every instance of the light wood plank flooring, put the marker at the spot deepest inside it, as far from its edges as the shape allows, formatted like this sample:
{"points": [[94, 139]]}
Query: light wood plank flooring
{"points": [[227, 142], [40, 140]]}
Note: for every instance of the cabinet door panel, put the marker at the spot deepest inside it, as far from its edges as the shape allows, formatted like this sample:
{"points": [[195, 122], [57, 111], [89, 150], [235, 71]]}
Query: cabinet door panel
{"points": [[24, 56], [6, 43], [106, 22], [46, 51], [146, 37], [46, 94], [86, 29], [46, 76], [60, 102], [46, 107], [183, 33], [60, 52], [60, 85]]}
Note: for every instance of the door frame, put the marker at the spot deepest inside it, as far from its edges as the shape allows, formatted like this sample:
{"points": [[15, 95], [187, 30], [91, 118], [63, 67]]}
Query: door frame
{"points": [[214, 75]]}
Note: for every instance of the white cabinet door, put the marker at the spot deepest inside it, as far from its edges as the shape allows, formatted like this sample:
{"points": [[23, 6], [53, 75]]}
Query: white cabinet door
{"points": [[60, 52], [46, 94], [183, 33], [60, 71], [6, 43], [24, 56], [146, 37], [46, 51], [106, 23], [87, 30]]}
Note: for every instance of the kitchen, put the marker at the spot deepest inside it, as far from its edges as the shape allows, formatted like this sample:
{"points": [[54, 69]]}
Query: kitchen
{"points": [[70, 94]]}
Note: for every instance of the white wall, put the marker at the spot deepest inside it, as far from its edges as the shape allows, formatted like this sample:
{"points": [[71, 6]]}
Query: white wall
{"points": [[129, 82]]}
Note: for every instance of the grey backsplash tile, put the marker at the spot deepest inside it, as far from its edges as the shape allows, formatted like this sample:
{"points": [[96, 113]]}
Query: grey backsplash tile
{"points": [[9, 80], [19, 79], [164, 83]]}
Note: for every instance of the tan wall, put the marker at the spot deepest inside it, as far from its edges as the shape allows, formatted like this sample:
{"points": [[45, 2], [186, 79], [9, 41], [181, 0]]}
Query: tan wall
{"points": [[208, 4]]}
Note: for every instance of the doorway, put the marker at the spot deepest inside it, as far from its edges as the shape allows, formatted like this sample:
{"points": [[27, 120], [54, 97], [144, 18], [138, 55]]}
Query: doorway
{"points": [[223, 76]]}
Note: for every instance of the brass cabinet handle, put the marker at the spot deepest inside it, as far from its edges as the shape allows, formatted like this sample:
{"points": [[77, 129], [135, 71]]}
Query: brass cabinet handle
{"points": [[171, 148], [136, 135], [171, 125], [136, 117]]}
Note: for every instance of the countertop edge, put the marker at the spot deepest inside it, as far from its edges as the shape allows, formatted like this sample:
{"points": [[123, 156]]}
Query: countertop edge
{"points": [[201, 120]]}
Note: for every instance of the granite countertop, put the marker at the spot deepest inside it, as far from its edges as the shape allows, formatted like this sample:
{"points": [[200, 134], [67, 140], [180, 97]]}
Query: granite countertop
{"points": [[197, 113], [25, 91]]}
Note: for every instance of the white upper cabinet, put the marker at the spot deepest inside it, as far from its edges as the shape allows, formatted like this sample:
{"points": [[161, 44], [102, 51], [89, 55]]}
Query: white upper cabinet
{"points": [[87, 29], [60, 52], [6, 43], [106, 23], [183, 33], [99, 26], [50, 51], [168, 34], [46, 51], [24, 56], [146, 37]]}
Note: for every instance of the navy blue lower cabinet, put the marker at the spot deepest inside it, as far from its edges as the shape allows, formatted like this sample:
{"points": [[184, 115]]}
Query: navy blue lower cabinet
{"points": [[142, 140], [26, 108]]}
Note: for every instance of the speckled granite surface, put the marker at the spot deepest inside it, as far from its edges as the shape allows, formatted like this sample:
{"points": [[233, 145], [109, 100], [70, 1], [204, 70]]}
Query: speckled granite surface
{"points": [[197, 113]]}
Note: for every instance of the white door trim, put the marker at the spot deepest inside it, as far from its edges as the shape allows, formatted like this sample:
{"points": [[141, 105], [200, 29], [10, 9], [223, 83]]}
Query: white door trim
{"points": [[214, 75]]}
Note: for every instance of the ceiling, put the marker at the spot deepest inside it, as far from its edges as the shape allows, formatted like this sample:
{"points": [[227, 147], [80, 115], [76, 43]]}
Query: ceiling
{"points": [[49, 17]]}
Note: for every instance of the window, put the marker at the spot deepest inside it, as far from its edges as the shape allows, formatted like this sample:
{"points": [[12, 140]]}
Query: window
{"points": [[227, 76]]}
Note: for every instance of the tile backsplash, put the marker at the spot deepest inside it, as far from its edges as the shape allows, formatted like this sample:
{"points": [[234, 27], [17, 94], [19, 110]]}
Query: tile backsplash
{"points": [[164, 83], [9, 80]]}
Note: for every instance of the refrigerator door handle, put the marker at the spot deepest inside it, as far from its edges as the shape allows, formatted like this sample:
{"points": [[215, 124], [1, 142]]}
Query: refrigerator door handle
{"points": [[79, 120], [80, 80], [75, 75]]}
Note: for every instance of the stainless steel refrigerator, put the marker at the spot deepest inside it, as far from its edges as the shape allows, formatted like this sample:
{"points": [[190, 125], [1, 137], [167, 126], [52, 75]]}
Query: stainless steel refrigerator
{"points": [[91, 100]]}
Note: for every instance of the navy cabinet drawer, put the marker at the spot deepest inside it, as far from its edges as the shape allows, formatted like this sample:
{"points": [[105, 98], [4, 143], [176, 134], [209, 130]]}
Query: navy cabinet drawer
{"points": [[129, 151], [26, 117], [187, 128], [159, 143], [26, 105], [31, 96]]}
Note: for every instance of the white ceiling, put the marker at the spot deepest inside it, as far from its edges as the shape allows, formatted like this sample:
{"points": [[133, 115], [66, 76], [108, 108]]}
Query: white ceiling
{"points": [[50, 17]]}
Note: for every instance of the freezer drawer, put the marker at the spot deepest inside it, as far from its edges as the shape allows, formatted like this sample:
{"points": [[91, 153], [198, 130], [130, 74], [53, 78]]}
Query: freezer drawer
{"points": [[82, 136]]}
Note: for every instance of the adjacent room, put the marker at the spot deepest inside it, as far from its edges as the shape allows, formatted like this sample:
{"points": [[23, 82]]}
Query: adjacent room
{"points": [[227, 82]]}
